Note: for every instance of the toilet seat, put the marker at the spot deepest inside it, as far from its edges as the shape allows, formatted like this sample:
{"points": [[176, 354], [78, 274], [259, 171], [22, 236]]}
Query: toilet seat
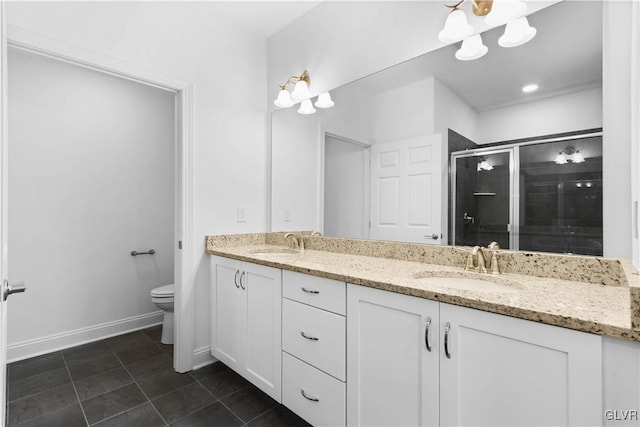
{"points": [[166, 291]]}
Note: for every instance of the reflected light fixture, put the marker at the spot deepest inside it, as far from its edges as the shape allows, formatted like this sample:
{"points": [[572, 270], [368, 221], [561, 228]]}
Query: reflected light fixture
{"points": [[530, 88], [484, 165], [496, 12], [569, 155], [301, 94]]}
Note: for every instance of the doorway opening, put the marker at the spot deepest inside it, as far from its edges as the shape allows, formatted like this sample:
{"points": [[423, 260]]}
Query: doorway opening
{"points": [[182, 183], [346, 188]]}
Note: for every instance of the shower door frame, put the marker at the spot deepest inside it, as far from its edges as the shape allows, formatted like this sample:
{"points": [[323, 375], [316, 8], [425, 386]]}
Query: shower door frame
{"points": [[514, 177], [514, 190]]}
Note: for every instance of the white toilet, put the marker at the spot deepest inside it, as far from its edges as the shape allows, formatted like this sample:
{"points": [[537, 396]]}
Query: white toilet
{"points": [[162, 296]]}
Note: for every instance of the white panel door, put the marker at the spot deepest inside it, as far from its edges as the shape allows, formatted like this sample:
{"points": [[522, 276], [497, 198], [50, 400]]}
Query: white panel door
{"points": [[262, 287], [228, 313], [501, 371], [3, 213], [406, 190], [392, 359]]}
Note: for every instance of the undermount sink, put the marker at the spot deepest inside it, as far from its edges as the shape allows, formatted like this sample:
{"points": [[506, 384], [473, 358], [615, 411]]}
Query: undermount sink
{"points": [[274, 251], [467, 281]]}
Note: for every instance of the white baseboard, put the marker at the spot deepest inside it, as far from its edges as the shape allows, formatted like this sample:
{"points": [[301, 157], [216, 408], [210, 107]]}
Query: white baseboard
{"points": [[35, 347], [202, 357]]}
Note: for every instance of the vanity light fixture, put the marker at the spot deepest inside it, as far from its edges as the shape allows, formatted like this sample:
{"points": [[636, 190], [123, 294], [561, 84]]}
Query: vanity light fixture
{"points": [[301, 94], [569, 155], [530, 88], [496, 12]]}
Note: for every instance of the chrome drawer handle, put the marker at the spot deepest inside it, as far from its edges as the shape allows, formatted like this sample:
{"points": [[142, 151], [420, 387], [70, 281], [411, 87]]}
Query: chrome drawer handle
{"points": [[310, 291], [241, 284], [313, 399], [308, 337], [447, 328], [426, 334], [235, 279]]}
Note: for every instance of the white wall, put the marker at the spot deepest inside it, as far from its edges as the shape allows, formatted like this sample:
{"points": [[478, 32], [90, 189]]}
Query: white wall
{"points": [[345, 189], [405, 112], [563, 113], [616, 141], [226, 64], [91, 176]]}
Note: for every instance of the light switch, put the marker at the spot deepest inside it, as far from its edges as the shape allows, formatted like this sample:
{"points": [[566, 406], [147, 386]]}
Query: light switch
{"points": [[286, 214], [242, 214]]}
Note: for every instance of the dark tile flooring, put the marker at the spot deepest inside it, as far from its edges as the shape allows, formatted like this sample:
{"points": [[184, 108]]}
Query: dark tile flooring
{"points": [[129, 380]]}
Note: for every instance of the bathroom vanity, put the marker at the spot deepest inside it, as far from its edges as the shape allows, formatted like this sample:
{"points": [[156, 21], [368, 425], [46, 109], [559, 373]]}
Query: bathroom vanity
{"points": [[343, 337]]}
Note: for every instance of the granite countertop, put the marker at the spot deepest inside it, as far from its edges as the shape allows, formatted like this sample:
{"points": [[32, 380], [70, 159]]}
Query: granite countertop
{"points": [[603, 309]]}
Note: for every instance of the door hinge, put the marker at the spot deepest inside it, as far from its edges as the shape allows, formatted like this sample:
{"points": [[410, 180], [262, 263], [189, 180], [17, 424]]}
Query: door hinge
{"points": [[179, 244]]}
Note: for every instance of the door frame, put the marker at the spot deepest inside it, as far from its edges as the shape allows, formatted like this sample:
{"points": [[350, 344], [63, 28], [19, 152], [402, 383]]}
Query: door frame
{"points": [[348, 138], [183, 183]]}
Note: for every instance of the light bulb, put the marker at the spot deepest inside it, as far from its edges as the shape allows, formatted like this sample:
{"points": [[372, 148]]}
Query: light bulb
{"points": [[561, 159], [306, 107], [472, 48], [455, 28], [577, 157], [301, 91], [324, 101], [517, 33], [284, 99]]}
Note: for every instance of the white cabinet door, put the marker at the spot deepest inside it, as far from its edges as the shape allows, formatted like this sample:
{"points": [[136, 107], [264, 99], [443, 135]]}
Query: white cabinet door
{"points": [[246, 302], [406, 190], [392, 377], [512, 372], [228, 308], [263, 290]]}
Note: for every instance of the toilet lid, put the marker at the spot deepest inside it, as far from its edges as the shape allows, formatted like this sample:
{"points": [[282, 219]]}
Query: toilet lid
{"points": [[163, 291]]}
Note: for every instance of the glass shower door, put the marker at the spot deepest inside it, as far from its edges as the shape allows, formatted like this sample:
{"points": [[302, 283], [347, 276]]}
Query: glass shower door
{"points": [[482, 198]]}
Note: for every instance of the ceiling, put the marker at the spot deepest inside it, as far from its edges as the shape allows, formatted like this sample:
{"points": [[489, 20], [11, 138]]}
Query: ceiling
{"points": [[565, 56], [262, 17]]}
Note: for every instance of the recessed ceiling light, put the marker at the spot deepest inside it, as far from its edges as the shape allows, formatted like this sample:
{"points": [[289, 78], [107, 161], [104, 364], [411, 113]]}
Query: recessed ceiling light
{"points": [[530, 88]]}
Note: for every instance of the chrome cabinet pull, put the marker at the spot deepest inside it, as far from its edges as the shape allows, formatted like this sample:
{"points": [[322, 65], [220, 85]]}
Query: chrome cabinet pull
{"points": [[235, 279], [308, 337], [426, 334], [447, 328], [313, 399], [242, 284], [310, 291]]}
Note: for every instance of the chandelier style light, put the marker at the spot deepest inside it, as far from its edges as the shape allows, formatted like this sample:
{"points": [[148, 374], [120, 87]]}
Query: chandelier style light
{"points": [[569, 155], [301, 94], [496, 12]]}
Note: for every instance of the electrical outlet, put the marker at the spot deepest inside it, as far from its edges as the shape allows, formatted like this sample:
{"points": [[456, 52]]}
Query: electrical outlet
{"points": [[242, 214], [286, 214]]}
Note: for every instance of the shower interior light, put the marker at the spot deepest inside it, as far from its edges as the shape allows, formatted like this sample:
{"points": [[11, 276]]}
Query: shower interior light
{"points": [[569, 155], [484, 165]]}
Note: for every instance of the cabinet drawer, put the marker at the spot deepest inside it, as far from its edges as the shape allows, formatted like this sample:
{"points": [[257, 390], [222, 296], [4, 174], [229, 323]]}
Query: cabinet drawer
{"points": [[323, 344], [316, 291], [325, 401]]}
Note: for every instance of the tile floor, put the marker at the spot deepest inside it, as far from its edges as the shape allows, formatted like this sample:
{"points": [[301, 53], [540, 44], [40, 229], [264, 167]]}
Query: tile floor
{"points": [[129, 380]]}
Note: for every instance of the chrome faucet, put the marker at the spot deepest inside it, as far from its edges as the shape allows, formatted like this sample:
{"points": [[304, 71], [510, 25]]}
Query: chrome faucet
{"points": [[484, 259]]}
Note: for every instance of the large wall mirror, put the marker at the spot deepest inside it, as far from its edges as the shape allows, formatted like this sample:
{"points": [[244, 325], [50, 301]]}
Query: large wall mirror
{"points": [[378, 164]]}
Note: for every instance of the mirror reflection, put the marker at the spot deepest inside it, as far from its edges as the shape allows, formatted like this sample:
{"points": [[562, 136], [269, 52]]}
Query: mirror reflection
{"points": [[379, 164]]}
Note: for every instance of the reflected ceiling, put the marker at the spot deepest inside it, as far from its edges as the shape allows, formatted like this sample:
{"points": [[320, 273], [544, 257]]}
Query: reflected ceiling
{"points": [[579, 23]]}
